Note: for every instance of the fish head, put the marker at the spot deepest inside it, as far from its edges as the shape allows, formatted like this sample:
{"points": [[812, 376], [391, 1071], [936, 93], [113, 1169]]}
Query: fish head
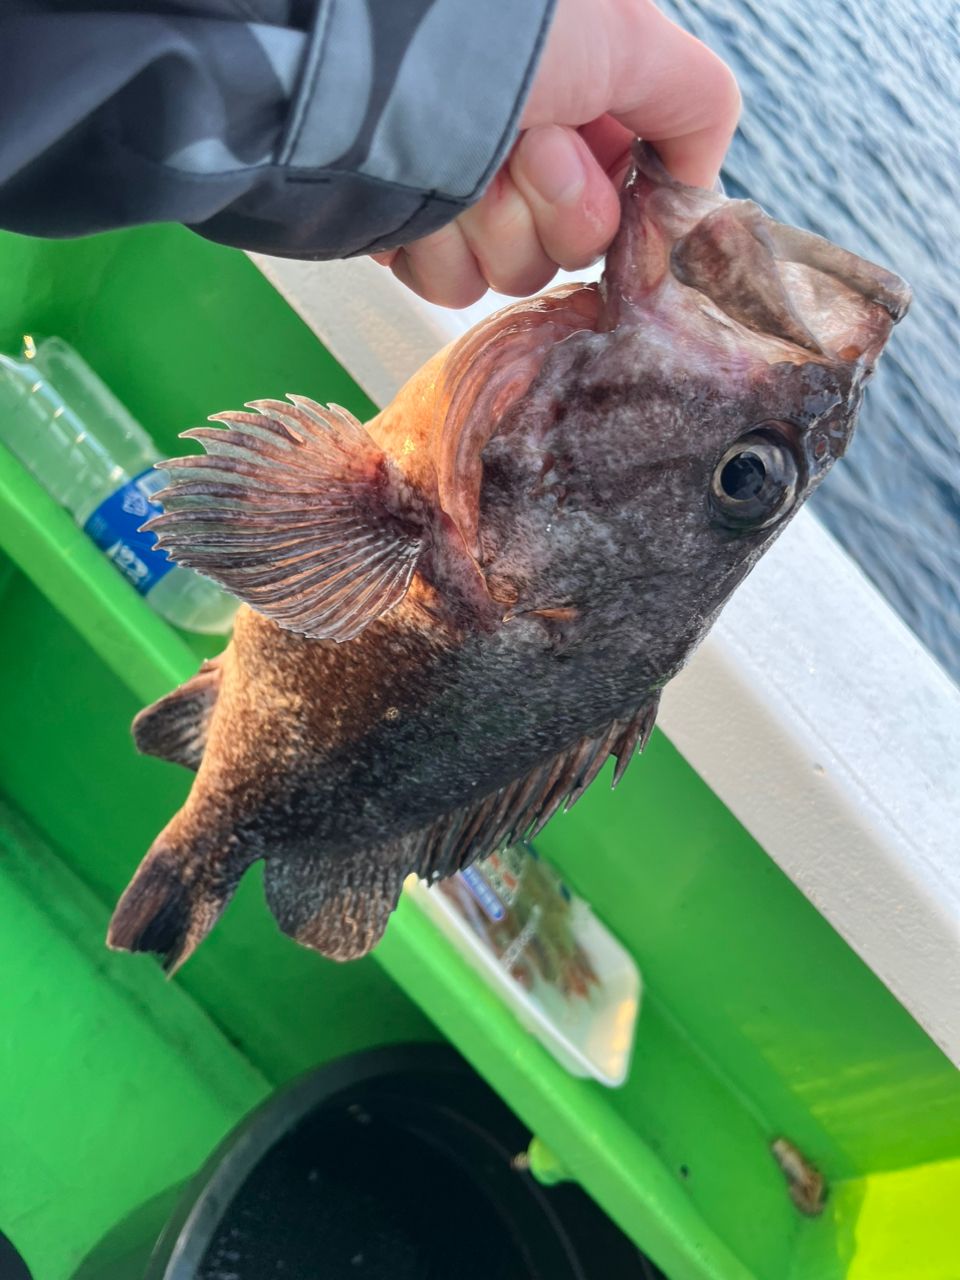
{"points": [[752, 341], [707, 286], [682, 412]]}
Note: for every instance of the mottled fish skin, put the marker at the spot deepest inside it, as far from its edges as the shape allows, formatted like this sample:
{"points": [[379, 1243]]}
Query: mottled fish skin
{"points": [[524, 548]]}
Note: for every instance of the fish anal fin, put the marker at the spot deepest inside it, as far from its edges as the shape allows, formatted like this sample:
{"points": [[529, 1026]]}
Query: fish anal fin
{"points": [[298, 512], [175, 727], [635, 736]]}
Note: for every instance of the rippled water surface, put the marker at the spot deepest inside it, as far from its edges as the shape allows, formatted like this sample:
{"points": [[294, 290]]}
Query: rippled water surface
{"points": [[851, 128]]}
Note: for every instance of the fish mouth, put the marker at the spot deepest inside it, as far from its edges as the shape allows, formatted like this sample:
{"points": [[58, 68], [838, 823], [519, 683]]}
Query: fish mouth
{"points": [[779, 282]]}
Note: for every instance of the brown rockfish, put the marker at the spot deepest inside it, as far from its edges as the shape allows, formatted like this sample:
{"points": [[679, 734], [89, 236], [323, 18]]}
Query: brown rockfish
{"points": [[457, 612]]}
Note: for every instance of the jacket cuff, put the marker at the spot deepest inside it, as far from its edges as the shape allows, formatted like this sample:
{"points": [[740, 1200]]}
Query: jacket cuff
{"points": [[434, 100]]}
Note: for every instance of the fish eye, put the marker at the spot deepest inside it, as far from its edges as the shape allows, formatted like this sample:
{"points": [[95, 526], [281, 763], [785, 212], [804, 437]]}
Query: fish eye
{"points": [[755, 482]]}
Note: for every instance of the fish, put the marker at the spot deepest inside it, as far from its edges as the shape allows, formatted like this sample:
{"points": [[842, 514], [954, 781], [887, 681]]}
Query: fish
{"points": [[455, 614]]}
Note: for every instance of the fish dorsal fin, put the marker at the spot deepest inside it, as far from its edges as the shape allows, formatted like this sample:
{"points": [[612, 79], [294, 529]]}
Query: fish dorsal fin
{"points": [[295, 510], [175, 727], [340, 904], [522, 808], [336, 904]]}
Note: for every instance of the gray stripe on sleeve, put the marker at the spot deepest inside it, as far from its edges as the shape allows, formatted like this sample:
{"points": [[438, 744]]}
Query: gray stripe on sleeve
{"points": [[454, 107], [283, 49], [337, 81]]}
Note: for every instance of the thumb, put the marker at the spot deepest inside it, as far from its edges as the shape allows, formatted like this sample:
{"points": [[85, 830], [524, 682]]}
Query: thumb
{"points": [[574, 205]]}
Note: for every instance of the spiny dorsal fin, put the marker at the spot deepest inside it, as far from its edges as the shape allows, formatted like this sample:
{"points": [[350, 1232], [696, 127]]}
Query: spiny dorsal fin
{"points": [[523, 808], [339, 905], [295, 510], [175, 727]]}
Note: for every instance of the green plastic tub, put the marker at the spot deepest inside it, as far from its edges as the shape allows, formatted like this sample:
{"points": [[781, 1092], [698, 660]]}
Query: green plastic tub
{"points": [[758, 1021]]}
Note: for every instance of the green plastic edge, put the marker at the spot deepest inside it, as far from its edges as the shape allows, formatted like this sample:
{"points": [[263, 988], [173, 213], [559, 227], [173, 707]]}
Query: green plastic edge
{"points": [[73, 574]]}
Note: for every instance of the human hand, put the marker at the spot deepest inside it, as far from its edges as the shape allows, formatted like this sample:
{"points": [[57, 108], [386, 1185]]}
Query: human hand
{"points": [[611, 70]]}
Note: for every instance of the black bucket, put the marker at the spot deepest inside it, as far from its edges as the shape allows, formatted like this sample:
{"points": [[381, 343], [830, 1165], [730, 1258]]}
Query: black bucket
{"points": [[394, 1164], [12, 1266]]}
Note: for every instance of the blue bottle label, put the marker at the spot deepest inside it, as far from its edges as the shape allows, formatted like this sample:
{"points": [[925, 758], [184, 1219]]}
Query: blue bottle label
{"points": [[115, 524], [483, 894]]}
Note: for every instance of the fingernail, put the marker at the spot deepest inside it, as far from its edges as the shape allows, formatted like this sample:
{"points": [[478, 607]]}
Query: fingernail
{"points": [[553, 164]]}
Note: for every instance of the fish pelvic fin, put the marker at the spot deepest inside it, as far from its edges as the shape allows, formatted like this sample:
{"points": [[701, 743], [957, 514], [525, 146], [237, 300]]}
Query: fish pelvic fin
{"points": [[339, 904], [175, 727], [298, 512], [176, 897]]}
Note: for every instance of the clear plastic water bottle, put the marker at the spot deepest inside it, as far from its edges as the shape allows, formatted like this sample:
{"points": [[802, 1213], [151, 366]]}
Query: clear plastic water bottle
{"points": [[95, 459]]}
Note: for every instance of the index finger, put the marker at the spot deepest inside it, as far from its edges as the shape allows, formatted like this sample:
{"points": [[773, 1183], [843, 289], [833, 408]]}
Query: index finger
{"points": [[673, 91]]}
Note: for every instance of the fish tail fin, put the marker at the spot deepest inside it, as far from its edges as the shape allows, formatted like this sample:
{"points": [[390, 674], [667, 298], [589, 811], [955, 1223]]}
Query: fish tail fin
{"points": [[174, 900]]}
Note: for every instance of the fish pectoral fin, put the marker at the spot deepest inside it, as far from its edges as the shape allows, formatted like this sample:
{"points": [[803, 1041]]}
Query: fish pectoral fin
{"points": [[295, 510], [338, 905], [524, 807], [178, 894], [175, 727]]}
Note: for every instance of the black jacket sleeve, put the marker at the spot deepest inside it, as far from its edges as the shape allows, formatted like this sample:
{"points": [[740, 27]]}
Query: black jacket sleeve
{"points": [[302, 128]]}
